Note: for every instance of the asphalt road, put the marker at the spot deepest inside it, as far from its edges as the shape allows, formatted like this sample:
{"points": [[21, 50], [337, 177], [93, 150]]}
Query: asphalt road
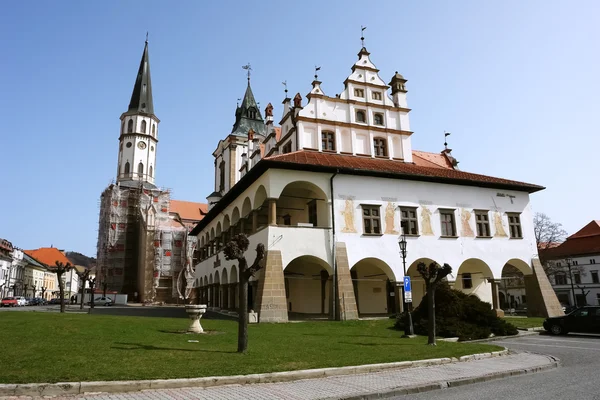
{"points": [[577, 377]]}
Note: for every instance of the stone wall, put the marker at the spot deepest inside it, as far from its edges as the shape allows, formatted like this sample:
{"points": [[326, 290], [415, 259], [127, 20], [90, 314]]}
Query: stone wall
{"points": [[345, 301], [271, 301]]}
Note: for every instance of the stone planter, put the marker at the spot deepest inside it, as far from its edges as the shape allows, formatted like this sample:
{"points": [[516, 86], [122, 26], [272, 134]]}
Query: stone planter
{"points": [[195, 311]]}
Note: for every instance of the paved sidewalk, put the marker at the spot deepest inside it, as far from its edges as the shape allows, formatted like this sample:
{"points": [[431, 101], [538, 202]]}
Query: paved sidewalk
{"points": [[362, 386]]}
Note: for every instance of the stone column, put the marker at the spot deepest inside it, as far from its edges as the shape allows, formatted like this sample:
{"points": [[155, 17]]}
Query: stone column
{"points": [[345, 300], [242, 225], [225, 304], [273, 212], [270, 300], [254, 220]]}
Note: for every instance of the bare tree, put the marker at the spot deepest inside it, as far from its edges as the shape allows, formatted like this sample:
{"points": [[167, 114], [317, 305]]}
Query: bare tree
{"points": [[83, 276], [60, 270], [234, 250], [433, 274], [548, 234]]}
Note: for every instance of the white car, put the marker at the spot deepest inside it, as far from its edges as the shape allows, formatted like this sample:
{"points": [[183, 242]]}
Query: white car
{"points": [[21, 302], [103, 301]]}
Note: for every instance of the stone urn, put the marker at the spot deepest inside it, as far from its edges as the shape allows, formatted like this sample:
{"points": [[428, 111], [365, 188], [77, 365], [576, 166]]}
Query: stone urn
{"points": [[195, 311]]}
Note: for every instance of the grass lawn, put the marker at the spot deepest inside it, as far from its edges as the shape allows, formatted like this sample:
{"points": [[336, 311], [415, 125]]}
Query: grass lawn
{"points": [[530, 322], [49, 347]]}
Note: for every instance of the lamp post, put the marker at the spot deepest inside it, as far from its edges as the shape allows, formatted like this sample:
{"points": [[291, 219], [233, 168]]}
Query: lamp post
{"points": [[408, 331], [568, 261]]}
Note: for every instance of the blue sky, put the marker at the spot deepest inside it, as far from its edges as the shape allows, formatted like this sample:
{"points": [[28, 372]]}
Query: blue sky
{"points": [[515, 82]]}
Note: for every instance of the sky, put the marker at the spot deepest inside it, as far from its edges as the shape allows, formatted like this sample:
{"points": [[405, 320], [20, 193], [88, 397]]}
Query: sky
{"points": [[515, 82]]}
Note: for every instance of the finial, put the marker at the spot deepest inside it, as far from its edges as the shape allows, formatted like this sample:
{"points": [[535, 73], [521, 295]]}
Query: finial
{"points": [[238, 102], [362, 35], [248, 68], [317, 69], [446, 134], [284, 83], [146, 36]]}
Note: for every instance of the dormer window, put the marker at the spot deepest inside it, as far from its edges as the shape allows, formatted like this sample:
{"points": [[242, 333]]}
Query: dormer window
{"points": [[380, 146], [328, 141], [361, 116], [378, 119], [359, 93], [376, 95], [252, 113]]}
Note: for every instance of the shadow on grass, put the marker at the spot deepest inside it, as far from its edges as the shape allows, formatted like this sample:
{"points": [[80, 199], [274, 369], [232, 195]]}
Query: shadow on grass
{"points": [[138, 346]]}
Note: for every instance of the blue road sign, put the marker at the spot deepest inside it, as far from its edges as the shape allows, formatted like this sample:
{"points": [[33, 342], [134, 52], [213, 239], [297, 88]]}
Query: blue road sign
{"points": [[407, 284]]}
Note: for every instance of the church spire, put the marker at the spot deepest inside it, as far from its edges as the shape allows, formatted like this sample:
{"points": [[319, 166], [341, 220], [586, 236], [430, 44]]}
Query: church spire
{"points": [[141, 97], [247, 116]]}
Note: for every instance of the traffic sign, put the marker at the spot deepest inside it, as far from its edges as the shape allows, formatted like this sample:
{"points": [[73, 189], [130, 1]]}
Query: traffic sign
{"points": [[408, 297], [407, 284]]}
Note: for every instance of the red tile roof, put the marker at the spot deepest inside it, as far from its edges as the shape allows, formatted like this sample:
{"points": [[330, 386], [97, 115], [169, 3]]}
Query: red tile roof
{"points": [[591, 229], [425, 159], [400, 169], [48, 256], [189, 210], [585, 241]]}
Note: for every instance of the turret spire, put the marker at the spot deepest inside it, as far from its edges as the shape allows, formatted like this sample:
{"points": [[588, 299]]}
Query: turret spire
{"points": [[248, 115], [141, 97]]}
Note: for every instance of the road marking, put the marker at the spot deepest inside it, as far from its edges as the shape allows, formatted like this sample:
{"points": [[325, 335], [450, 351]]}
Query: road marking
{"points": [[550, 345]]}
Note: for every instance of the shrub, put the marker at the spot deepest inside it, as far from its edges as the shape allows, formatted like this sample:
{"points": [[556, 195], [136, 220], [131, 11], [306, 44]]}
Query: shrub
{"points": [[458, 315]]}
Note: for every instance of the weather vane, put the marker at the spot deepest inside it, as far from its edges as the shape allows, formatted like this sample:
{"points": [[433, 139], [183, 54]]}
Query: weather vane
{"points": [[248, 68], [362, 35], [317, 69], [446, 134], [284, 83]]}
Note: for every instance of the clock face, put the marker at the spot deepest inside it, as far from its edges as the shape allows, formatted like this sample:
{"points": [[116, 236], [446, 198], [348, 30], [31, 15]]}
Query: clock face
{"points": [[142, 145]]}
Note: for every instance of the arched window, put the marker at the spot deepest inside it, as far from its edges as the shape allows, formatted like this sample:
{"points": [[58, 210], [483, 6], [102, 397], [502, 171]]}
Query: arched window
{"points": [[130, 126], [153, 129], [150, 171], [380, 146], [140, 170], [123, 127], [378, 119], [143, 126], [127, 168], [361, 116], [252, 113]]}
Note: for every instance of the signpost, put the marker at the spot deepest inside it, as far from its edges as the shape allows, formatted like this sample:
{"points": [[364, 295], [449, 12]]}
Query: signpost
{"points": [[407, 290]]}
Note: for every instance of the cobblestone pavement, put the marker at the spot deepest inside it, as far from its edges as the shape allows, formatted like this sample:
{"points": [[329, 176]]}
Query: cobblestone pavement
{"points": [[336, 387]]}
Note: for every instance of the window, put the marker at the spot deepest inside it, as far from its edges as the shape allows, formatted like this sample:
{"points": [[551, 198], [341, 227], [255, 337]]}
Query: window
{"points": [[143, 126], [447, 221], [483, 223], [514, 224], [560, 279], [595, 277], [287, 220], [359, 93], [150, 172], [380, 147], [127, 168], [140, 170], [222, 176], [361, 116], [312, 212], [577, 278], [559, 264], [287, 148], [378, 119], [467, 281], [592, 261], [575, 262], [408, 215], [153, 129], [128, 145], [130, 126], [371, 220], [328, 141], [376, 95], [252, 113]]}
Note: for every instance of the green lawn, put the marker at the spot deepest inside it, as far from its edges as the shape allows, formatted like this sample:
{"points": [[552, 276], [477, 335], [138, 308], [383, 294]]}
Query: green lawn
{"points": [[530, 322], [49, 347]]}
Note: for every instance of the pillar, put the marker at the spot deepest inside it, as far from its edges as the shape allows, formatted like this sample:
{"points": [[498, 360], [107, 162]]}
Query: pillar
{"points": [[541, 298], [345, 301], [496, 297], [273, 212], [270, 298], [254, 220], [242, 225], [225, 305]]}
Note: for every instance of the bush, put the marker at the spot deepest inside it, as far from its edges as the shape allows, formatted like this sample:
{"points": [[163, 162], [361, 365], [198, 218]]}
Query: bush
{"points": [[458, 315]]}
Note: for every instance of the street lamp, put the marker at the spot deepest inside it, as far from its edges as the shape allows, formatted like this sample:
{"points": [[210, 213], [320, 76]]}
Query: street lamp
{"points": [[569, 260], [408, 331]]}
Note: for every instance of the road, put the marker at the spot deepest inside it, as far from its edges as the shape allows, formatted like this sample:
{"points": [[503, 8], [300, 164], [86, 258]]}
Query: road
{"points": [[577, 378]]}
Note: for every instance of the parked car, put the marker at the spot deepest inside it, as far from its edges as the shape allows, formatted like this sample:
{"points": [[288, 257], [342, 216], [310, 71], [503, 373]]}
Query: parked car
{"points": [[37, 301], [57, 301], [581, 320], [9, 302], [21, 301], [106, 301]]}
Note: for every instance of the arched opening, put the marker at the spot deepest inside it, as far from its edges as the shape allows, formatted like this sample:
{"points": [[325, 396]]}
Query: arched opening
{"points": [[127, 168], [205, 290], [246, 216], [235, 221], [219, 236], [130, 126], [210, 292], [226, 227], [512, 290], [302, 204], [234, 292], [373, 281], [140, 169], [417, 282], [475, 277], [143, 128], [224, 295], [261, 207], [153, 129], [150, 171], [308, 288], [217, 291]]}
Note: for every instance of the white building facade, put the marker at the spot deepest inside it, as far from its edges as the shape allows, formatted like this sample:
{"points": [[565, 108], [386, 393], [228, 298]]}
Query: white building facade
{"points": [[326, 194]]}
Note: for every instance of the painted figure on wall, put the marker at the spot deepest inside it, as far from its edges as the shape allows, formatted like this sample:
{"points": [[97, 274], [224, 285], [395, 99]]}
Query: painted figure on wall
{"points": [[390, 216], [465, 218], [426, 221], [348, 214], [498, 225]]}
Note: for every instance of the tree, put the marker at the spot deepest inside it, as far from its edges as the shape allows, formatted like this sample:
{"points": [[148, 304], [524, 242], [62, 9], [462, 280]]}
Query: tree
{"points": [[60, 270], [234, 250], [548, 234], [433, 275], [83, 276]]}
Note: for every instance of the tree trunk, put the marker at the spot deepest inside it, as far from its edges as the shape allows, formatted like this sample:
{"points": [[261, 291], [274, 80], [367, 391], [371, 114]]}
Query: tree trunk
{"points": [[431, 319], [82, 295], [243, 310], [61, 291]]}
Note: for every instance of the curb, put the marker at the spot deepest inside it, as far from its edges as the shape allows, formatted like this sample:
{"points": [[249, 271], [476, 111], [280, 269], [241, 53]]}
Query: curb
{"points": [[554, 363], [491, 339], [72, 388]]}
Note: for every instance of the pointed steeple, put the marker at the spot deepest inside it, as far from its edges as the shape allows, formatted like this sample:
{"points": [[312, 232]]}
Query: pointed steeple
{"points": [[141, 98], [248, 116]]}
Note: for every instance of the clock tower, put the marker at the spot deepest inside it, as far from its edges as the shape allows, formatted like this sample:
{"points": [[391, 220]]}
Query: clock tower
{"points": [[139, 132]]}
